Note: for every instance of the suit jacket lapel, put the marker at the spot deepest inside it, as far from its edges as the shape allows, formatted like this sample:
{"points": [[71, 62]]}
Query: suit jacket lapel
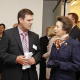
{"points": [[73, 29], [68, 41], [17, 36], [30, 41]]}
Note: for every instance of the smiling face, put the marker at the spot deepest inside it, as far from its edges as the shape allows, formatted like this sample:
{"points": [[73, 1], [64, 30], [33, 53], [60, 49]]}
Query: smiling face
{"points": [[26, 23], [58, 29]]}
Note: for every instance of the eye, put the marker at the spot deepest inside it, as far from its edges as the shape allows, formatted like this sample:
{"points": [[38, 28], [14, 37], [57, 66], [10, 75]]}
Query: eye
{"points": [[57, 26], [29, 20]]}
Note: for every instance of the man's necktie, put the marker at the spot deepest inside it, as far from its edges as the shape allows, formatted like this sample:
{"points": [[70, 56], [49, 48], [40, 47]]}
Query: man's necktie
{"points": [[24, 43]]}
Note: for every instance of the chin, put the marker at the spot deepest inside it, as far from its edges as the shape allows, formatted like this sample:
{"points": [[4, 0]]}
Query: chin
{"points": [[28, 28]]}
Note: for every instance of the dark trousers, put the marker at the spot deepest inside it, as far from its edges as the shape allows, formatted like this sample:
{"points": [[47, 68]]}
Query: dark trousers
{"points": [[26, 75], [42, 75], [77, 75]]}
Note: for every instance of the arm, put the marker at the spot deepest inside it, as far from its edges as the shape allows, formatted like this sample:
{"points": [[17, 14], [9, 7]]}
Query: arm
{"points": [[46, 55], [4, 46], [72, 64], [8, 53], [35, 59]]}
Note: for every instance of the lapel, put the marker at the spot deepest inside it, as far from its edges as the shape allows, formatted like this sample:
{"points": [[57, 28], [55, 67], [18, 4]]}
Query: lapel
{"points": [[46, 39], [68, 41], [74, 28], [17, 36], [30, 41]]}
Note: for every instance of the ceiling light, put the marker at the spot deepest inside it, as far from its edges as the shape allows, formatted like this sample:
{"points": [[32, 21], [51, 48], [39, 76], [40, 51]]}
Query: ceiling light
{"points": [[73, 2]]}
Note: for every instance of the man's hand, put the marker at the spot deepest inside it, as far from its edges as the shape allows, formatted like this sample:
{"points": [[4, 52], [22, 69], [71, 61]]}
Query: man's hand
{"points": [[31, 61], [22, 60]]}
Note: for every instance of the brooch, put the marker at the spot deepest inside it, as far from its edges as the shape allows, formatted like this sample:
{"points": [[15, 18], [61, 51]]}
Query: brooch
{"points": [[65, 44]]}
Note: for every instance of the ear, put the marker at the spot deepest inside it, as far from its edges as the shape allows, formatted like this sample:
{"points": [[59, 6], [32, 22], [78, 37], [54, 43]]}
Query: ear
{"points": [[73, 20], [20, 20]]}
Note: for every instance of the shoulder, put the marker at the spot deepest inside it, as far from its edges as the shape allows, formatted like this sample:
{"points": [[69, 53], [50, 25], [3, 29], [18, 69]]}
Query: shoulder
{"points": [[33, 34], [9, 30], [44, 37], [76, 28], [54, 38], [75, 43]]}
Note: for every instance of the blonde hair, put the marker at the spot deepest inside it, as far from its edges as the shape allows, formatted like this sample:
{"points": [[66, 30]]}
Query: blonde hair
{"points": [[51, 32]]}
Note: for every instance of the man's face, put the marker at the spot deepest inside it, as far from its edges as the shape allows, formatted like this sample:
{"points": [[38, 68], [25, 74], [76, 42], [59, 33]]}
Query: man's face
{"points": [[26, 23], [47, 31]]}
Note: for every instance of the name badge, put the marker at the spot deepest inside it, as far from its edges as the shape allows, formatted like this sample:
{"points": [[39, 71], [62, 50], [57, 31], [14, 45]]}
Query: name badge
{"points": [[34, 47]]}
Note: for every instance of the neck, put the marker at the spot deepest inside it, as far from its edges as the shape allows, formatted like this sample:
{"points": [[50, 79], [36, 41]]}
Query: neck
{"points": [[64, 35], [0, 35], [20, 26], [74, 24]]}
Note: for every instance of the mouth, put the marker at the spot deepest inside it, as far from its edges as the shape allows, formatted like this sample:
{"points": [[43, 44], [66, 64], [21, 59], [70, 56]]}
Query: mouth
{"points": [[29, 26]]}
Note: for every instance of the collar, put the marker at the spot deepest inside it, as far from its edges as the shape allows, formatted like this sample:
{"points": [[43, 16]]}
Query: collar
{"points": [[73, 27], [63, 37], [20, 31], [48, 37]]}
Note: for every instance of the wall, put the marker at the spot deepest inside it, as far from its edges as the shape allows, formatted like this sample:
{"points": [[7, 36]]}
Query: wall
{"points": [[48, 15], [10, 8], [58, 11], [68, 5], [75, 8]]}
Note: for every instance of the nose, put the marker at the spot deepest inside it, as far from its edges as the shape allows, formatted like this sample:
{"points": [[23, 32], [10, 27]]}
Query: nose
{"points": [[31, 22]]}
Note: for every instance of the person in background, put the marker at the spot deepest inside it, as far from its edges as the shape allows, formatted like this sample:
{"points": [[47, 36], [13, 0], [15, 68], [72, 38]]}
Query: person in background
{"points": [[2, 28], [51, 34], [16, 42], [65, 53], [15, 24], [75, 34], [43, 45]]}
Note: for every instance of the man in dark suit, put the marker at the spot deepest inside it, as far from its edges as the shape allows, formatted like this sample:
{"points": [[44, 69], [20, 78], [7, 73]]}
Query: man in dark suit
{"points": [[75, 34], [13, 50], [43, 44]]}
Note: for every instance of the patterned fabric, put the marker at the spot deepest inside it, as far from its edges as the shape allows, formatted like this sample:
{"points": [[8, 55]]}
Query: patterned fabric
{"points": [[58, 42], [24, 43]]}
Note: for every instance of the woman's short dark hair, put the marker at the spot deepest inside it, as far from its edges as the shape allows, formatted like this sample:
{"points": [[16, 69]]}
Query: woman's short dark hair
{"points": [[67, 23], [23, 12], [2, 25]]}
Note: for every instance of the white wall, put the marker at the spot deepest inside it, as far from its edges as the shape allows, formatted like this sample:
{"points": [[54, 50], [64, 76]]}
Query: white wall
{"points": [[58, 11], [68, 5], [75, 9], [48, 15], [10, 8]]}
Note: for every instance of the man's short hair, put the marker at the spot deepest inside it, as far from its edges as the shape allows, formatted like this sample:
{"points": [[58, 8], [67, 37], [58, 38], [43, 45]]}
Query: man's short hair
{"points": [[23, 12], [74, 16]]}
